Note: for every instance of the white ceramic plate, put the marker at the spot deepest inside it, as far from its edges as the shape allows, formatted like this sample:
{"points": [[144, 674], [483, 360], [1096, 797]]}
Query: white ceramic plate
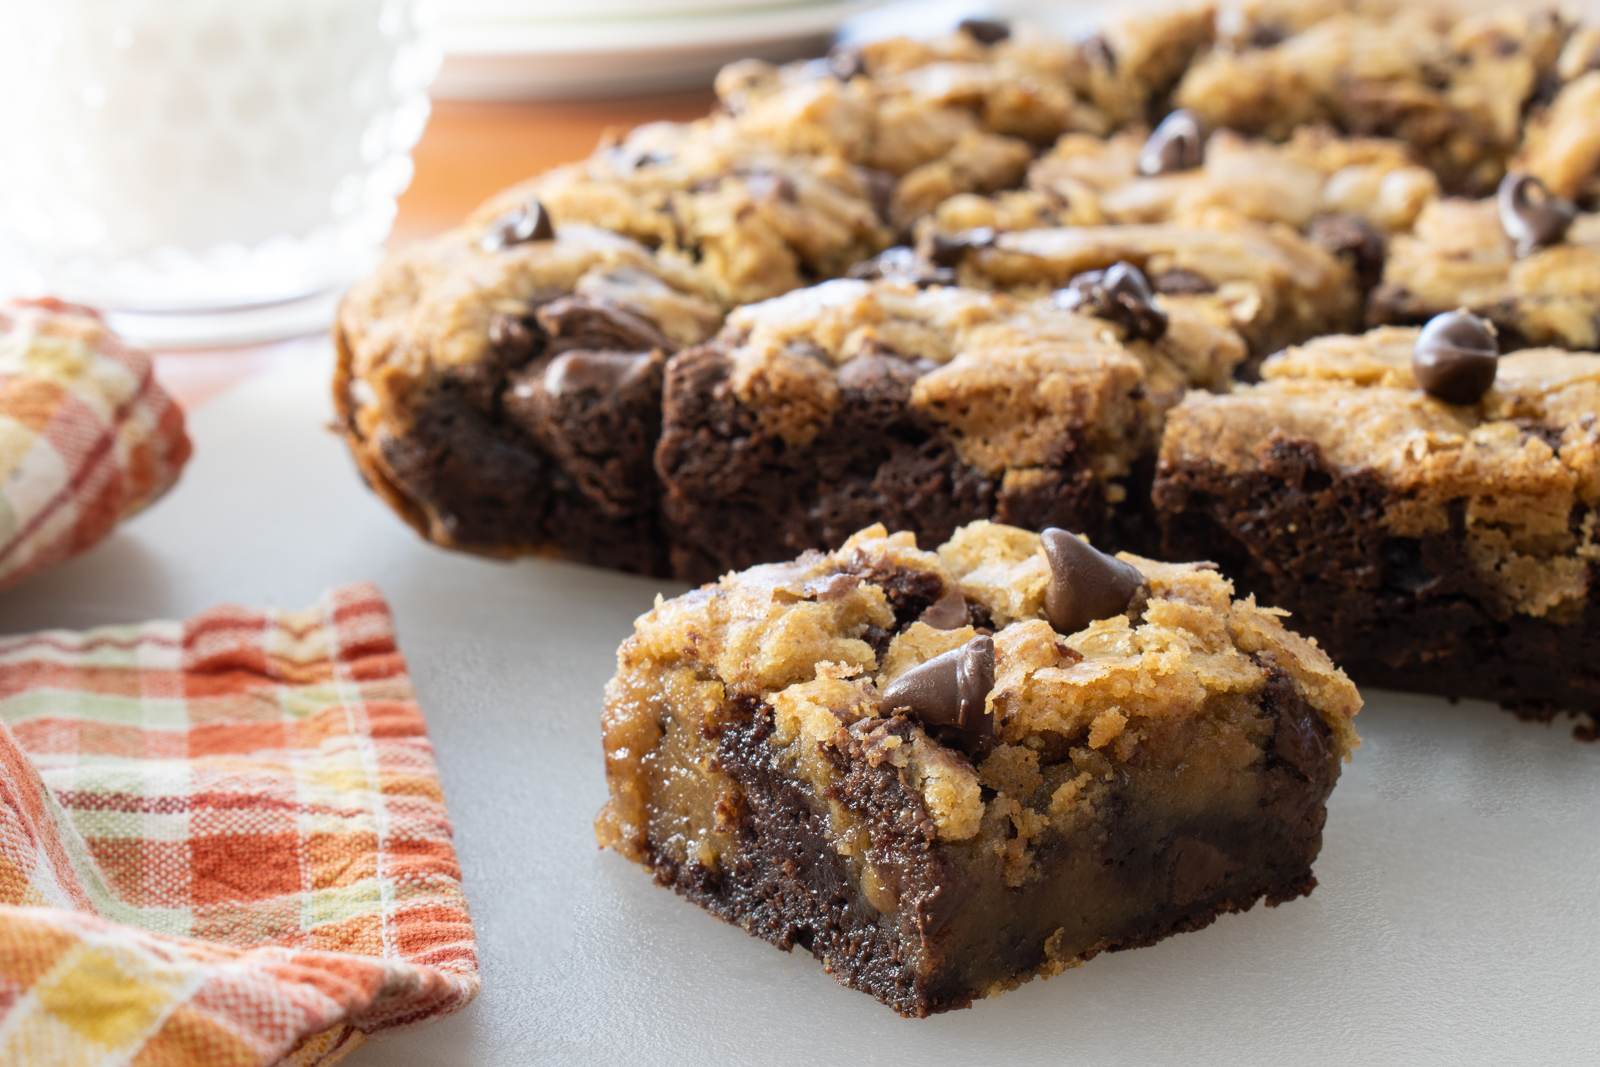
{"points": [[522, 60], [1456, 920], [595, 10]]}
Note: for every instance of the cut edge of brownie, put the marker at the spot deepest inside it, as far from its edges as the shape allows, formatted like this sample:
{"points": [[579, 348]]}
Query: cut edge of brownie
{"points": [[469, 475], [734, 495], [1402, 612]]}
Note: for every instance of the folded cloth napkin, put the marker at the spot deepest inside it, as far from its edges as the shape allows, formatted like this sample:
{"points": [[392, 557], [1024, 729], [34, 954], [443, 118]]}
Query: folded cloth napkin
{"points": [[87, 437], [221, 842]]}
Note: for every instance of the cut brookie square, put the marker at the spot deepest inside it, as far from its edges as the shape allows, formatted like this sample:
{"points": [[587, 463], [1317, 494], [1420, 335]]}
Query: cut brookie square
{"points": [[1445, 543], [500, 385], [852, 402], [946, 772]]}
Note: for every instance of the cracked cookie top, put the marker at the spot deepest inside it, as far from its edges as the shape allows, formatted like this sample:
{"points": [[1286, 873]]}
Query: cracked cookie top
{"points": [[1003, 373], [963, 112], [1266, 281], [1460, 255], [1454, 87], [450, 304], [1315, 173], [755, 222]]}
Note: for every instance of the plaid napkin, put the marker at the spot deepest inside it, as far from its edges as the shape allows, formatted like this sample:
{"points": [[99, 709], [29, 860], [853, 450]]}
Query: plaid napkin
{"points": [[221, 842], [87, 437]]}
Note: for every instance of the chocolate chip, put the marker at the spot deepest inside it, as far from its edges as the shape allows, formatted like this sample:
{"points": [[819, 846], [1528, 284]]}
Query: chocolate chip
{"points": [[515, 338], [1531, 215], [1354, 240], [846, 63], [985, 31], [832, 587], [583, 371], [949, 612], [902, 264], [627, 158], [1177, 281], [1099, 52], [1456, 357], [598, 325], [881, 187], [1085, 583], [530, 222], [1121, 294], [880, 381], [1266, 35], [949, 690], [948, 250], [765, 184], [1177, 144]]}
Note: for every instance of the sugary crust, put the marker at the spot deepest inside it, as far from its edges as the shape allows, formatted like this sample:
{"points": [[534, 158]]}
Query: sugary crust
{"points": [[1460, 256], [1511, 471], [797, 637]]}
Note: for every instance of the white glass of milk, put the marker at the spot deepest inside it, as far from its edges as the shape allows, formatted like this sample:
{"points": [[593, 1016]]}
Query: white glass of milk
{"points": [[206, 170]]}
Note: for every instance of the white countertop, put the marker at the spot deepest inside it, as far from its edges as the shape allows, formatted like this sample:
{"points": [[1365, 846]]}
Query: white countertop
{"points": [[1458, 919]]}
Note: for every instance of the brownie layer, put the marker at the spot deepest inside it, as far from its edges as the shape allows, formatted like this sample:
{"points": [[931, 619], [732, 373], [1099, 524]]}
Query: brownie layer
{"points": [[545, 448], [1408, 612], [957, 932], [736, 495]]}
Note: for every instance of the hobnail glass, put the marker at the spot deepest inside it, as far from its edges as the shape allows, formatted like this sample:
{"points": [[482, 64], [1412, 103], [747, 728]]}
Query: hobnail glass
{"points": [[207, 170]]}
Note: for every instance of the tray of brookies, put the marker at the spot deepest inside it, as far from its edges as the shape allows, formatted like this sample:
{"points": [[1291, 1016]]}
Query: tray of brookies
{"points": [[971, 506]]}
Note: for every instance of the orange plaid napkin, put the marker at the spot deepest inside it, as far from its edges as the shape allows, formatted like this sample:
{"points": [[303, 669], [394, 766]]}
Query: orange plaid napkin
{"points": [[221, 842], [87, 437]]}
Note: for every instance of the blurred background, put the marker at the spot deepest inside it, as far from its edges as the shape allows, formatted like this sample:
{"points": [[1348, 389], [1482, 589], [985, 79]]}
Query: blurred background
{"points": [[216, 172]]}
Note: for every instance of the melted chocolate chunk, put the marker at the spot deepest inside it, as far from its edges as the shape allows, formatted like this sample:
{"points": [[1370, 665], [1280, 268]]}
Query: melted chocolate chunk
{"points": [[1120, 293], [985, 31], [880, 373], [1531, 215], [846, 63], [1177, 281], [881, 187], [950, 690], [948, 250], [515, 338], [530, 222], [1456, 357], [902, 264], [1354, 240], [949, 612], [1177, 144], [581, 371], [766, 184], [833, 586], [575, 322], [1085, 583], [1099, 52], [1266, 35]]}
